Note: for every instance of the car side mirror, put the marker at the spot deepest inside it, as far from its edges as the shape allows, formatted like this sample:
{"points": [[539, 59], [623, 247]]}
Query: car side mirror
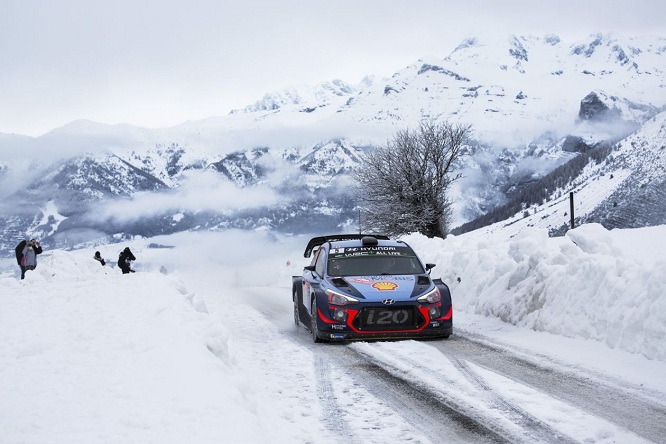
{"points": [[430, 267], [312, 269]]}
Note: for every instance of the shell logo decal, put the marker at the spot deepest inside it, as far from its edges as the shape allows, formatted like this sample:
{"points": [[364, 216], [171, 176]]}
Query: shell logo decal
{"points": [[385, 286]]}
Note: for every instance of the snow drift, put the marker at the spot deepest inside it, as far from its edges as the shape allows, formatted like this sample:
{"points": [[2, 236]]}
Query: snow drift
{"points": [[609, 286]]}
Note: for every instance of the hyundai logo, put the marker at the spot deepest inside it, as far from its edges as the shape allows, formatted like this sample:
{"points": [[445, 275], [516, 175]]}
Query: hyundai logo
{"points": [[388, 301]]}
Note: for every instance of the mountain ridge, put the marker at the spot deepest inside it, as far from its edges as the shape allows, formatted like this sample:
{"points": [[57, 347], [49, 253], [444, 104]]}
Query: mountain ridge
{"points": [[533, 103]]}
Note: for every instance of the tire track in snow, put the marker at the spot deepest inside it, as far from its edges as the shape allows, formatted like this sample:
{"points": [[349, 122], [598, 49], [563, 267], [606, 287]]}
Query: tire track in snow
{"points": [[488, 412], [632, 408], [536, 430], [427, 419], [332, 413], [437, 420]]}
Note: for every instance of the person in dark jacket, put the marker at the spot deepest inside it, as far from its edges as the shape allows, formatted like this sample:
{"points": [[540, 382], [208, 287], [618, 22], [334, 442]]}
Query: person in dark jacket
{"points": [[125, 260], [26, 255], [98, 257]]}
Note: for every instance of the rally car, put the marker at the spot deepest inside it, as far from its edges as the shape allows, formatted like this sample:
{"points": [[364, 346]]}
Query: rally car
{"points": [[369, 287]]}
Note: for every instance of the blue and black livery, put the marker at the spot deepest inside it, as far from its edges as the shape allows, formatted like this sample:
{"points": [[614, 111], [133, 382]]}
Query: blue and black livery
{"points": [[369, 287]]}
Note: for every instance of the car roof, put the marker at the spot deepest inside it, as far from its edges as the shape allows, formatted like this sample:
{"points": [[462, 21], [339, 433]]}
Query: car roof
{"points": [[353, 239], [359, 243]]}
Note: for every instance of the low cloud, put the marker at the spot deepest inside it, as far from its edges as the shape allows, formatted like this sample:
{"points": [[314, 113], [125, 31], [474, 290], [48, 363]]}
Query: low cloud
{"points": [[201, 191]]}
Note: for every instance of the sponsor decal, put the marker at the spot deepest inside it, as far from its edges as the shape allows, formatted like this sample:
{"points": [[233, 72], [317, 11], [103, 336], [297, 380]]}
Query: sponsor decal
{"points": [[369, 280], [434, 324], [361, 281], [368, 253], [338, 326], [338, 335], [381, 317], [385, 286], [371, 251], [393, 278]]}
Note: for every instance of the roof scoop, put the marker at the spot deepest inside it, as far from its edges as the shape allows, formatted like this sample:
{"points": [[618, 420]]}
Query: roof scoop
{"points": [[369, 240]]}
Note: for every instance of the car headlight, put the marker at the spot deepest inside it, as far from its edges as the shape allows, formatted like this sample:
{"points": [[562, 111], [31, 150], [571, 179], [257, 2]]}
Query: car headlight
{"points": [[335, 298], [432, 297]]}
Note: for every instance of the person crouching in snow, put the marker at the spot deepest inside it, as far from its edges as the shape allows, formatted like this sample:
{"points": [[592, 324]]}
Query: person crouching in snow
{"points": [[98, 257], [125, 260]]}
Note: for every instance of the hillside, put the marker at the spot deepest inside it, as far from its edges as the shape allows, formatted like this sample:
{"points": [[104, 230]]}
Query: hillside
{"points": [[619, 186], [283, 163]]}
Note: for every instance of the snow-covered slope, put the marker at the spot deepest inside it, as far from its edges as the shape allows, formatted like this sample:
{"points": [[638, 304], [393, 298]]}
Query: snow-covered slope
{"points": [[534, 103], [625, 190], [512, 90]]}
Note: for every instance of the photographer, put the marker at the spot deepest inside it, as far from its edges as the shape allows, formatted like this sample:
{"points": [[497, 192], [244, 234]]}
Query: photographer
{"points": [[125, 260], [27, 259]]}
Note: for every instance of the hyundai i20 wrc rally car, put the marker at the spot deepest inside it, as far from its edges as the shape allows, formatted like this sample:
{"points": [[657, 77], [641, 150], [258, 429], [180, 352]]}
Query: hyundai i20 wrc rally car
{"points": [[360, 287]]}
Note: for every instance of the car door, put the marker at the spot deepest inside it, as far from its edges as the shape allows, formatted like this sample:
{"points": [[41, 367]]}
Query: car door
{"points": [[312, 279]]}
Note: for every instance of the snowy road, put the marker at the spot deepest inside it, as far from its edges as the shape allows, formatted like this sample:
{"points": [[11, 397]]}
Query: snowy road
{"points": [[631, 407], [465, 389], [423, 410], [425, 390]]}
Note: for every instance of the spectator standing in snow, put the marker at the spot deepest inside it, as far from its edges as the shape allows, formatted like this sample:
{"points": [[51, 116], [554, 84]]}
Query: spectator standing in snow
{"points": [[125, 260], [98, 257], [26, 255]]}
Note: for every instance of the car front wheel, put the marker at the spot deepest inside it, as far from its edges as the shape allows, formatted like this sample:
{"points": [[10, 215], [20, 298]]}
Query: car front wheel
{"points": [[297, 318], [313, 323]]}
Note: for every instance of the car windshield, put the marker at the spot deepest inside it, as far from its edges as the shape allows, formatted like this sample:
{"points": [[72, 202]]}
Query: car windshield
{"points": [[373, 265]]}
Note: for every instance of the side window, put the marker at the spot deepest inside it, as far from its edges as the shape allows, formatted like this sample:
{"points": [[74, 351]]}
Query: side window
{"points": [[314, 256], [320, 266]]}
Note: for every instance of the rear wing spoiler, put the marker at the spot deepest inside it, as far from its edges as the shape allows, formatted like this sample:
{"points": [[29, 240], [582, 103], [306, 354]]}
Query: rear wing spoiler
{"points": [[317, 241]]}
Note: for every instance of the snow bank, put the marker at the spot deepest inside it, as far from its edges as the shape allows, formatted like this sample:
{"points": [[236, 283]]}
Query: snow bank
{"points": [[609, 286], [90, 355]]}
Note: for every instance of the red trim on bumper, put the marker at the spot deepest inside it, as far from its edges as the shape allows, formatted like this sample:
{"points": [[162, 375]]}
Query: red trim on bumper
{"points": [[351, 314], [447, 316], [324, 318]]}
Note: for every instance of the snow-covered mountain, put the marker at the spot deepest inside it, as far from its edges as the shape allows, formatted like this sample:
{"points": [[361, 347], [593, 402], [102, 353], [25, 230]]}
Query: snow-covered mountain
{"points": [[535, 104], [620, 186]]}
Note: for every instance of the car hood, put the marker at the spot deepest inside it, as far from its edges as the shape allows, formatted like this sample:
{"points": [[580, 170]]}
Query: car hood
{"points": [[378, 288]]}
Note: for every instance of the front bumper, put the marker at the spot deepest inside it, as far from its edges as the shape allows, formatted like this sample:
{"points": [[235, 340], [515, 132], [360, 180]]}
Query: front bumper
{"points": [[350, 330], [353, 336]]}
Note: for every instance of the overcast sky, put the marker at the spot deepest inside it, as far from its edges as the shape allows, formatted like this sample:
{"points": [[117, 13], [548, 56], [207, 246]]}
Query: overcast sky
{"points": [[158, 63]]}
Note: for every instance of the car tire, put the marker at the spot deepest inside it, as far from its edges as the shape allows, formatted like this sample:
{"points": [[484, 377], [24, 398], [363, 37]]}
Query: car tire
{"points": [[313, 323], [297, 317]]}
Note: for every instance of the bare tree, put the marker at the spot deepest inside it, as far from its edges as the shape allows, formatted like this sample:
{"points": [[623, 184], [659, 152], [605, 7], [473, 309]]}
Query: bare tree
{"points": [[403, 186]]}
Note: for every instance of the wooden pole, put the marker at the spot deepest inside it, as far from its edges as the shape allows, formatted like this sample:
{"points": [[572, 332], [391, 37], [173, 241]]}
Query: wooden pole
{"points": [[571, 202]]}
